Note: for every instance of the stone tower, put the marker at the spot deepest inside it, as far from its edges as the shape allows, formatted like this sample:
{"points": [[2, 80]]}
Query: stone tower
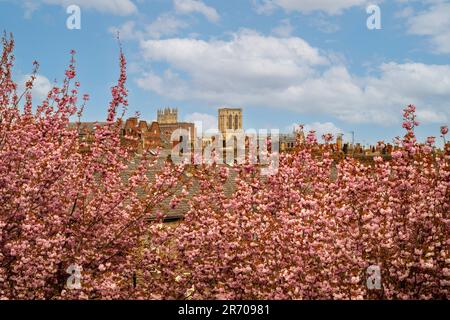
{"points": [[230, 120], [230, 126], [339, 141], [167, 116]]}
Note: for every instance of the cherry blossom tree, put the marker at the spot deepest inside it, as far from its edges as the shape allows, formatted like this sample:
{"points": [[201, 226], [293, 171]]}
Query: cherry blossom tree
{"points": [[61, 208], [311, 230]]}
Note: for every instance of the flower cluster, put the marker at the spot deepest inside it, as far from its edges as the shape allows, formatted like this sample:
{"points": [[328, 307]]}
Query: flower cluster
{"points": [[311, 230], [62, 206]]}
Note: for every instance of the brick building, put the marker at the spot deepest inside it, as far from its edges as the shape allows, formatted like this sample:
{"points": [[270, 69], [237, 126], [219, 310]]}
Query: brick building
{"points": [[145, 136], [168, 124]]}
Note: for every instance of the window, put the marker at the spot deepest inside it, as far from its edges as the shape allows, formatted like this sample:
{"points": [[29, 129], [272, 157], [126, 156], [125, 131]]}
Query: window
{"points": [[236, 122], [230, 122]]}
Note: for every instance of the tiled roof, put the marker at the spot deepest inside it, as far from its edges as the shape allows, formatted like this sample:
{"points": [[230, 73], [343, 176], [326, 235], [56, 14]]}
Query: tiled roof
{"points": [[179, 212], [86, 125]]}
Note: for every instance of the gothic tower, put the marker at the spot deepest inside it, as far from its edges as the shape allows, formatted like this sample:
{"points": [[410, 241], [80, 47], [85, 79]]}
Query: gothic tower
{"points": [[167, 116], [230, 120]]}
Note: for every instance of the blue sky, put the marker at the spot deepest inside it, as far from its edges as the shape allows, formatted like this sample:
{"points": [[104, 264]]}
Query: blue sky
{"points": [[313, 62]]}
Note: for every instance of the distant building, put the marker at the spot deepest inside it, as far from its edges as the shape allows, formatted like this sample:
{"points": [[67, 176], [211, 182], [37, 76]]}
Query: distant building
{"points": [[167, 116], [142, 135], [146, 137], [230, 124], [299, 134], [287, 142], [230, 121], [86, 131], [168, 124], [339, 142]]}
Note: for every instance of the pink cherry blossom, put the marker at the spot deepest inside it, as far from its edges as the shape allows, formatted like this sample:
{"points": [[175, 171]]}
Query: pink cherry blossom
{"points": [[311, 230], [431, 140]]}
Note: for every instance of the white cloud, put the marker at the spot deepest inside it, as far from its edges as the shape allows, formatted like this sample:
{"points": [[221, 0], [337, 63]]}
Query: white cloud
{"points": [[248, 56], [41, 86], [320, 129], [323, 24], [331, 7], [287, 73], [323, 128], [434, 23], [127, 31], [405, 13], [116, 7], [285, 29], [196, 6], [29, 7], [169, 84], [266, 7], [430, 116], [164, 25], [207, 121]]}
